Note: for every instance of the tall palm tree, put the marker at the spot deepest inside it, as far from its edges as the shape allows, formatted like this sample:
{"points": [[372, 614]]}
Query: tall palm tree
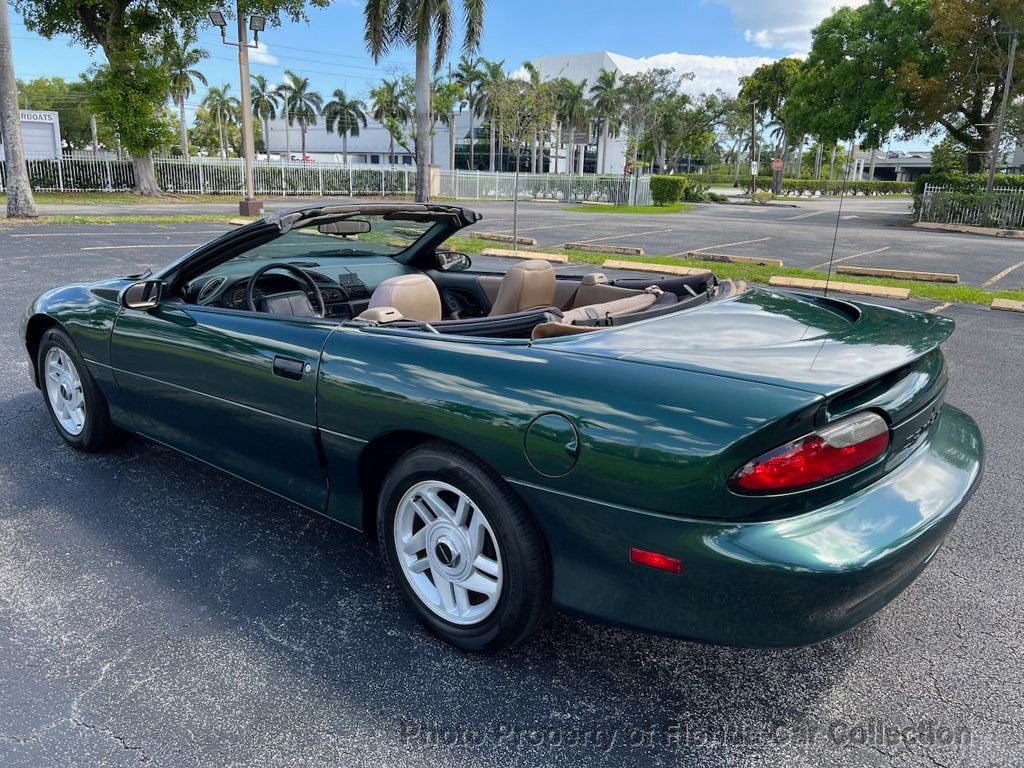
{"points": [[389, 109], [226, 107], [302, 104], [20, 202], [265, 103], [445, 98], [606, 99], [572, 109], [491, 79], [283, 93], [418, 23], [344, 115], [180, 59], [468, 76]]}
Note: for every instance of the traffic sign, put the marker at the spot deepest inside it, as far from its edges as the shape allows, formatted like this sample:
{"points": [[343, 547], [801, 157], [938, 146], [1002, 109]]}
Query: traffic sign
{"points": [[777, 164]]}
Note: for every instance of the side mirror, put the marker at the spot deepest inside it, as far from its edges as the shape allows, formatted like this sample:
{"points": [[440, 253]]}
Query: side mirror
{"points": [[453, 261], [144, 294]]}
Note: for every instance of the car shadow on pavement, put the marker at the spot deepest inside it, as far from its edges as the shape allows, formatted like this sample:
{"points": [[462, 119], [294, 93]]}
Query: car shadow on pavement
{"points": [[233, 600]]}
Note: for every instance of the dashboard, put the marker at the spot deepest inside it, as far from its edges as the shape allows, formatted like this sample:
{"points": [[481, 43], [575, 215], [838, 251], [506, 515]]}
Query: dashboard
{"points": [[345, 297]]}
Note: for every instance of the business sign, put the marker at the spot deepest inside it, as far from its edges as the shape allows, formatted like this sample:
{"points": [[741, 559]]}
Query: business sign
{"points": [[40, 133]]}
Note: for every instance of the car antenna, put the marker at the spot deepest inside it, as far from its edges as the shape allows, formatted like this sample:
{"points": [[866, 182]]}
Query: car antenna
{"points": [[839, 214]]}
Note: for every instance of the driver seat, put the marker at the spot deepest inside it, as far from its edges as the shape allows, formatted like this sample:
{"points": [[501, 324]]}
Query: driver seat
{"points": [[415, 297]]}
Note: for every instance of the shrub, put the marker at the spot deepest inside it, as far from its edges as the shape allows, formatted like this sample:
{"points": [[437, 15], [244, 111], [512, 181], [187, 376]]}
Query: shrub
{"points": [[666, 190]]}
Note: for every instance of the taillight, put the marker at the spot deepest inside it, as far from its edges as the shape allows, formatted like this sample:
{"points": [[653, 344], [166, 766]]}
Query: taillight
{"points": [[832, 451]]}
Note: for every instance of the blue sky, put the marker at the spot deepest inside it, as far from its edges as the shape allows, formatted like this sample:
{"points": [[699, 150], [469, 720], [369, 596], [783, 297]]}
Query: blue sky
{"points": [[716, 39]]}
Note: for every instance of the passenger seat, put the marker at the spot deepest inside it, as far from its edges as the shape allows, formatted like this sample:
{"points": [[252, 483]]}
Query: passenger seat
{"points": [[530, 285]]}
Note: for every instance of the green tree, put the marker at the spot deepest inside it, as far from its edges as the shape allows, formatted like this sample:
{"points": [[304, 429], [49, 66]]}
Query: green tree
{"points": [[132, 86], [949, 156], [573, 112], [69, 98], [769, 88], [225, 110], [265, 102], [345, 116], [606, 99], [642, 94], [468, 76], [444, 100], [492, 77], [419, 23], [302, 105], [181, 57], [391, 111]]}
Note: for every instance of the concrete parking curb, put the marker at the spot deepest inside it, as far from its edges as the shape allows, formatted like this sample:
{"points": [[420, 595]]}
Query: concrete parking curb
{"points": [[240, 222], [499, 237], [646, 266], [504, 253], [881, 291], [706, 256], [1008, 305], [964, 229], [901, 274], [621, 250]]}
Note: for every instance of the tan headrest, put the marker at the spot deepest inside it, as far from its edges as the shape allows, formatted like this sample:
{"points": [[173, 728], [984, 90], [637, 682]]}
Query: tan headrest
{"points": [[594, 278], [415, 297], [525, 286]]}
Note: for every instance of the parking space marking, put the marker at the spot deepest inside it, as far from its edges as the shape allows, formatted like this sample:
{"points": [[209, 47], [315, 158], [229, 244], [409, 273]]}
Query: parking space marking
{"points": [[847, 258], [720, 245], [939, 308], [1001, 275], [805, 215], [619, 237], [551, 226], [122, 247]]}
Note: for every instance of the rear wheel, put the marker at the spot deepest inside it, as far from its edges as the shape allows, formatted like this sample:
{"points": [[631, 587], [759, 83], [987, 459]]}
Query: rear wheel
{"points": [[462, 548], [73, 399]]}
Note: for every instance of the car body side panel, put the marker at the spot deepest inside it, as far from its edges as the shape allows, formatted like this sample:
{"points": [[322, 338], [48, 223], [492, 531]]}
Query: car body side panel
{"points": [[643, 430]]}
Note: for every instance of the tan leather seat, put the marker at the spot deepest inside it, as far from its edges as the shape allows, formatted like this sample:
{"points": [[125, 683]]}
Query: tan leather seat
{"points": [[415, 297], [615, 308], [525, 286]]}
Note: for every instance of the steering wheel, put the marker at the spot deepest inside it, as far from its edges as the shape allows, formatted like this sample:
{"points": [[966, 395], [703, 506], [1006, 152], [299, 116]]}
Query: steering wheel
{"points": [[299, 272]]}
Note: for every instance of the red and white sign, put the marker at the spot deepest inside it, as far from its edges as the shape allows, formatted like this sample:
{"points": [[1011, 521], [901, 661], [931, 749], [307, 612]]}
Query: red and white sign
{"points": [[777, 164]]}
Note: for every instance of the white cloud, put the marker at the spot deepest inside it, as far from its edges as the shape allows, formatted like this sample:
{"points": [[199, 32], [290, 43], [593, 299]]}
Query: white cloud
{"points": [[781, 26], [710, 72], [262, 55]]}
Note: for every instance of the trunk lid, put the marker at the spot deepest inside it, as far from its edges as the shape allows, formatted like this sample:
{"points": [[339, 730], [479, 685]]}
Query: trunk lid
{"points": [[820, 345]]}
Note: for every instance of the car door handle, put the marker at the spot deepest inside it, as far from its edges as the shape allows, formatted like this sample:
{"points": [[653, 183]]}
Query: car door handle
{"points": [[289, 368]]}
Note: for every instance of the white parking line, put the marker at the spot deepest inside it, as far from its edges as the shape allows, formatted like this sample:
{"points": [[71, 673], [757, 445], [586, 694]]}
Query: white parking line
{"points": [[723, 245], [122, 247], [551, 226], [1001, 275], [847, 258], [806, 215], [939, 308], [619, 237]]}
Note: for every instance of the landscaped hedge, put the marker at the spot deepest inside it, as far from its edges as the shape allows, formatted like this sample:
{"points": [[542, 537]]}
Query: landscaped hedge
{"points": [[666, 190], [972, 182], [821, 187]]}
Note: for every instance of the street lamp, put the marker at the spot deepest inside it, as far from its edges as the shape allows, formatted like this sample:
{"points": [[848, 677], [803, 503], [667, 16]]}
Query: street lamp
{"points": [[250, 206]]}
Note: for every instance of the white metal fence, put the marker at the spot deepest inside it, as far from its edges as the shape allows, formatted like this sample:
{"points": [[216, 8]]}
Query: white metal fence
{"points": [[485, 185], [214, 176], [1003, 208]]}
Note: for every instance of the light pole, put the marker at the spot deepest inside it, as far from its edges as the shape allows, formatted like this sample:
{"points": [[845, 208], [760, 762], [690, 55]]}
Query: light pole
{"points": [[997, 137], [250, 206]]}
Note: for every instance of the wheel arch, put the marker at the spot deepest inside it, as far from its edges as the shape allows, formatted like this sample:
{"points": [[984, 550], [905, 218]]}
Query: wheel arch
{"points": [[37, 325]]}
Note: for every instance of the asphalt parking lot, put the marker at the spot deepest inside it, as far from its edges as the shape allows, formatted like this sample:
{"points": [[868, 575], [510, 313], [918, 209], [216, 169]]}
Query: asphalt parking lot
{"points": [[154, 611]]}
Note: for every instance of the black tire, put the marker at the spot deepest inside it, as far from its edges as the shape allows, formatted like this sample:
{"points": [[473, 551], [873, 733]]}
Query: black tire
{"points": [[524, 600], [98, 432]]}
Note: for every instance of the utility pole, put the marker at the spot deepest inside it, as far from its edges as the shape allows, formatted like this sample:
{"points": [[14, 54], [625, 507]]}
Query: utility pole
{"points": [[997, 137], [250, 206]]}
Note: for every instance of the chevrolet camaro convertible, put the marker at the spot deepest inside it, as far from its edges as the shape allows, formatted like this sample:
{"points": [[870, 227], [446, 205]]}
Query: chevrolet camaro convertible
{"points": [[678, 455]]}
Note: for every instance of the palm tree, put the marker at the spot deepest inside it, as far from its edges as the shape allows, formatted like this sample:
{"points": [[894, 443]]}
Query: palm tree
{"points": [[445, 98], [302, 104], [345, 115], [20, 202], [572, 109], [607, 102], [534, 83], [468, 76], [389, 110], [491, 78], [180, 59], [283, 93], [265, 103], [417, 23], [226, 108]]}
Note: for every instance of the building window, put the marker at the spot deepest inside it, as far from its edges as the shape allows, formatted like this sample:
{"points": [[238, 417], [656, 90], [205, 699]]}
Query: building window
{"points": [[374, 159], [407, 160]]}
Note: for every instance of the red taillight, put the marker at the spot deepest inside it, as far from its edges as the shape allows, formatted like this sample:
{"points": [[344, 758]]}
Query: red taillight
{"points": [[655, 560], [830, 452]]}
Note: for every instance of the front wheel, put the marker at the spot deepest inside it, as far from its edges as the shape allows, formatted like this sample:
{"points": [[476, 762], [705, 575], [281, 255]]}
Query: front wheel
{"points": [[73, 399], [463, 549]]}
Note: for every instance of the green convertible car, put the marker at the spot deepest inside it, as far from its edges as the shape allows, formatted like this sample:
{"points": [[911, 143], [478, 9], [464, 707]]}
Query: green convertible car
{"points": [[679, 455]]}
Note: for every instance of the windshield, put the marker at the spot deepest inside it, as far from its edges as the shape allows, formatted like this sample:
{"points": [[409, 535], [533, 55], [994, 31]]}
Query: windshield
{"points": [[384, 238]]}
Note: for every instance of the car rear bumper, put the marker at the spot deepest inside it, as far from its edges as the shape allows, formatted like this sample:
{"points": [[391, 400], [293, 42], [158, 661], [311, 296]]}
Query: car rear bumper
{"points": [[774, 583]]}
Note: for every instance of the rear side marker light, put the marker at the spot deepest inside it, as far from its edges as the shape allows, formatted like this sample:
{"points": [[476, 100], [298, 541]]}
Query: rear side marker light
{"points": [[831, 452], [655, 560]]}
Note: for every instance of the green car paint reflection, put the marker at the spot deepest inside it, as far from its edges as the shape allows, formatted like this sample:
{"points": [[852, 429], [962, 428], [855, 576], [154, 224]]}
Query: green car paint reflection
{"points": [[651, 420]]}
